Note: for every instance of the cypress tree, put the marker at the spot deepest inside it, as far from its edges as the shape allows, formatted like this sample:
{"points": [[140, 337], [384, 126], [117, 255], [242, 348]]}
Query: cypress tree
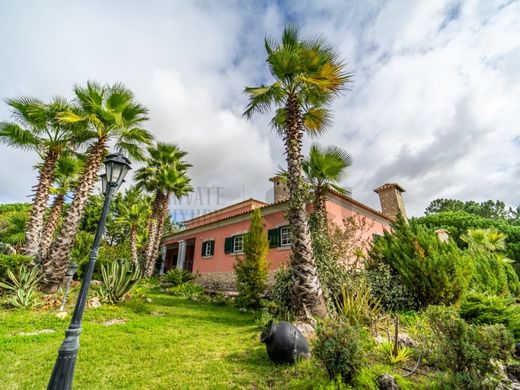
{"points": [[251, 269]]}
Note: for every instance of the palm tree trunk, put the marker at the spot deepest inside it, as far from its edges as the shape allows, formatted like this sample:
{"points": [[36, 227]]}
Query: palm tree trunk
{"points": [[39, 205], [158, 235], [319, 206], [307, 295], [56, 263], [133, 245], [51, 226], [152, 232]]}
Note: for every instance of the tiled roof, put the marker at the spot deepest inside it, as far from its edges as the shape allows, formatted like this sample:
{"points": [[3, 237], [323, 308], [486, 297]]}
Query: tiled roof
{"points": [[389, 185]]}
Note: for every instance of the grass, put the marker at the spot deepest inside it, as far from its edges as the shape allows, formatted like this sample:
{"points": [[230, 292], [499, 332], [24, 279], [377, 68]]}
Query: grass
{"points": [[170, 343]]}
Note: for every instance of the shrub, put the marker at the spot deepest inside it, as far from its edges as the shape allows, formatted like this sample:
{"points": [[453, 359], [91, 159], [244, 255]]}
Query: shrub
{"points": [[481, 308], [280, 292], [467, 350], [118, 279], [437, 272], [21, 287], [358, 307], [177, 276], [339, 347], [251, 270], [13, 263], [186, 290], [388, 286]]}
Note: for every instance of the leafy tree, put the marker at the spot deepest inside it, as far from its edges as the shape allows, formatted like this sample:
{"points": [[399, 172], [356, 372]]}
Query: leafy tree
{"points": [[133, 214], [68, 168], [325, 170], [251, 270], [495, 209], [36, 127], [107, 113], [164, 175], [437, 272], [308, 75]]}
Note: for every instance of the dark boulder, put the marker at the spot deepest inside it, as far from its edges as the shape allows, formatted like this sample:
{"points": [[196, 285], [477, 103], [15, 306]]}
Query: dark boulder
{"points": [[387, 382], [284, 342]]}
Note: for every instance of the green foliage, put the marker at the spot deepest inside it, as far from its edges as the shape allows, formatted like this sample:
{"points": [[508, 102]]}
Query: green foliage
{"points": [[358, 307], [13, 263], [251, 270], [467, 350], [493, 271], [177, 276], [118, 279], [481, 308], [388, 286], [21, 286], [12, 227], [339, 347], [437, 272], [488, 209], [458, 223], [280, 292], [186, 290], [402, 354]]}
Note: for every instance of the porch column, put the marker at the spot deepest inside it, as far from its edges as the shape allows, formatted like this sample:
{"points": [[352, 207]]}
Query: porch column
{"points": [[163, 259], [182, 254]]}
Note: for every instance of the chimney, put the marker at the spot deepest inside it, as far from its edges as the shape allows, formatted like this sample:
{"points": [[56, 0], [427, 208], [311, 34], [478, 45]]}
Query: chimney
{"points": [[391, 199], [281, 192]]}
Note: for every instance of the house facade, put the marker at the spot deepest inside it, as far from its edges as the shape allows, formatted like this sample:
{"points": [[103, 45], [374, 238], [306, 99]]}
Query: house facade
{"points": [[211, 243]]}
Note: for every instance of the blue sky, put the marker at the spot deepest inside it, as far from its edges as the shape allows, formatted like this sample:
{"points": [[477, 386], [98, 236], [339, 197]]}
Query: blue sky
{"points": [[434, 106]]}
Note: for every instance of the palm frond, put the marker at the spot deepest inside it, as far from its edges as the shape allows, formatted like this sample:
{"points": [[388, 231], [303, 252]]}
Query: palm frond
{"points": [[11, 134], [316, 120]]}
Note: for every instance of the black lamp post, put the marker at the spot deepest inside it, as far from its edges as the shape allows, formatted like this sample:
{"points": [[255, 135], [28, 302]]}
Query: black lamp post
{"points": [[116, 166]]}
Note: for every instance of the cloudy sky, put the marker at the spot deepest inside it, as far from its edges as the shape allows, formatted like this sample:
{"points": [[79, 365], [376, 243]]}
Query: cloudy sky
{"points": [[435, 105]]}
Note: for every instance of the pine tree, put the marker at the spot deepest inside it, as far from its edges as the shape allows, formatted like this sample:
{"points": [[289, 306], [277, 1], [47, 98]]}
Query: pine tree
{"points": [[251, 270]]}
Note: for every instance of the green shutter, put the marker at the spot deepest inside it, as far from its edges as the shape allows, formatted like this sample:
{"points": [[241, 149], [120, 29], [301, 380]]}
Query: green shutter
{"points": [[274, 238], [212, 248], [203, 248], [228, 245]]}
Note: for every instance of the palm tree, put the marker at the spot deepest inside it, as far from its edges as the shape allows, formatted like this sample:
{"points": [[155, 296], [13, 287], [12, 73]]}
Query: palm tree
{"points": [[36, 127], [308, 76], [13, 227], [164, 175], [134, 211], [107, 114], [325, 169], [68, 169]]}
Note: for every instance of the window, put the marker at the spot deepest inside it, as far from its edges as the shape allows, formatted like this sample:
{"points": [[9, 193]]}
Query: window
{"points": [[208, 248], [285, 236], [238, 243]]}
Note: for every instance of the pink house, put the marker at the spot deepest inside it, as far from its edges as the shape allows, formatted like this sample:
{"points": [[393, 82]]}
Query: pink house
{"points": [[210, 243]]}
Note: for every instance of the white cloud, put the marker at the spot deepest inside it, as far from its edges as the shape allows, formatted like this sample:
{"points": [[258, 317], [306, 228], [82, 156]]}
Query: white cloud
{"points": [[434, 105]]}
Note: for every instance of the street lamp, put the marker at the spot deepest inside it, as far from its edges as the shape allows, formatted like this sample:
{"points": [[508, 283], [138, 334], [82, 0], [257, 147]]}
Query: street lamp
{"points": [[116, 167]]}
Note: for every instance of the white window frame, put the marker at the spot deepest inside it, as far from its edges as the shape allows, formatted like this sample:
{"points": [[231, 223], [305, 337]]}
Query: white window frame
{"points": [[236, 248], [285, 240], [208, 248]]}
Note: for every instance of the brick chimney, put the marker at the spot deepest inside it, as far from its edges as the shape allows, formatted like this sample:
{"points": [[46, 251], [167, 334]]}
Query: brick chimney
{"points": [[391, 199], [281, 191]]}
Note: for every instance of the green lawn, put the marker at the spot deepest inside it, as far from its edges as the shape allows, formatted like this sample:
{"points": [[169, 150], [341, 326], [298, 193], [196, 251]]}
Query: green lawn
{"points": [[171, 343]]}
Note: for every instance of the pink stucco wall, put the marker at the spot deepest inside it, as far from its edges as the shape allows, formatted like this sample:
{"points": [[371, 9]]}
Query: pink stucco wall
{"points": [[223, 262]]}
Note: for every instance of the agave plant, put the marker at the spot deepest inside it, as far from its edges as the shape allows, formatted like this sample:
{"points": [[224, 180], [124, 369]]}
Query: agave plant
{"points": [[21, 287], [118, 279]]}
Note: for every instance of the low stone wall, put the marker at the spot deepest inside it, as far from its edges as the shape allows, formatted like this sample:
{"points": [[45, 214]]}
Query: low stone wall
{"points": [[223, 281]]}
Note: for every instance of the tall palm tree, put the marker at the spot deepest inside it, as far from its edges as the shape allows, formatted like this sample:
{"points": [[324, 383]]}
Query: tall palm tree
{"points": [[68, 168], [133, 213], [107, 113], [308, 75], [36, 127], [325, 169], [164, 175]]}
